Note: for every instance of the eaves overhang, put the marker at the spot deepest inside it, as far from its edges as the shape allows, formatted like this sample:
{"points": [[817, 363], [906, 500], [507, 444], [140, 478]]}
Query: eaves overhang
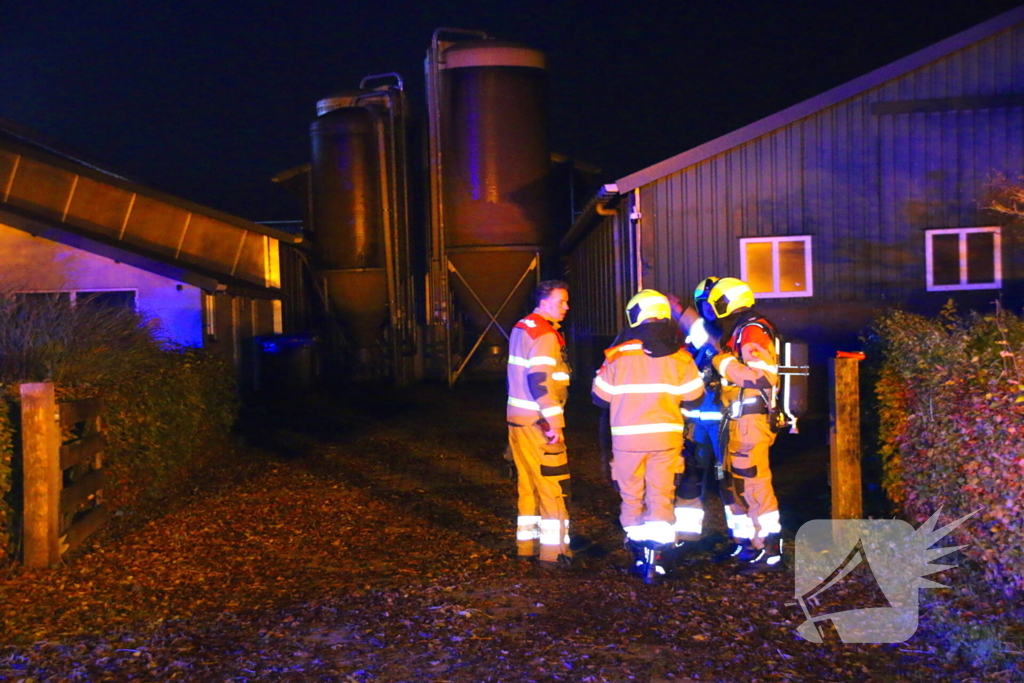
{"points": [[82, 199], [602, 204], [153, 262]]}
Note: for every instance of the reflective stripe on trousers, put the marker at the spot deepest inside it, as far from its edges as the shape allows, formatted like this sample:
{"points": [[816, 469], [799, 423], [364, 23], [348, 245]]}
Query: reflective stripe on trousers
{"points": [[740, 525], [769, 523], [689, 521], [658, 532], [527, 527]]}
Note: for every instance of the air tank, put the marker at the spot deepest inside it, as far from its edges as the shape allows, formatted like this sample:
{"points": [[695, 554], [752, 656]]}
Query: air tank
{"points": [[348, 218], [493, 175], [793, 371]]}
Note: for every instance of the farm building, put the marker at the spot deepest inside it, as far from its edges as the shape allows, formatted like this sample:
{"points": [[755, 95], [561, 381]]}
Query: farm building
{"points": [[869, 196], [72, 230]]}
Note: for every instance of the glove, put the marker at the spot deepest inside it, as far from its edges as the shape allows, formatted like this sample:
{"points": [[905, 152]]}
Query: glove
{"points": [[554, 435], [511, 472]]}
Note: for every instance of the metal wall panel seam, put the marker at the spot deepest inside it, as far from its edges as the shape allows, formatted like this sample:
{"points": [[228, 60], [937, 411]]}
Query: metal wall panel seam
{"points": [[872, 186], [722, 223], [681, 242], [794, 161], [863, 277], [779, 186]]}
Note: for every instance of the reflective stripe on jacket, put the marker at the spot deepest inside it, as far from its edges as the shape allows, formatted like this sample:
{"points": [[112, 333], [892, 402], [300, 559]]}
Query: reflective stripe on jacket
{"points": [[644, 395], [538, 375]]}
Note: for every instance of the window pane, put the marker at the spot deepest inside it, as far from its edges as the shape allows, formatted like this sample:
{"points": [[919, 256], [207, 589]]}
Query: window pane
{"points": [[981, 257], [106, 299], [946, 259], [792, 266], [41, 298], [759, 266]]}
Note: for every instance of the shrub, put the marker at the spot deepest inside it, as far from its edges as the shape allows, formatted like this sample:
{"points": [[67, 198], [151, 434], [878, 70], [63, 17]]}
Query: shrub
{"points": [[165, 405], [166, 421], [951, 397]]}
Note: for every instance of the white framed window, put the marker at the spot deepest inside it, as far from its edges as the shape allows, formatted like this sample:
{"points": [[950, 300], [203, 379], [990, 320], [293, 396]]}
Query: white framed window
{"points": [[963, 258], [777, 267], [106, 298]]}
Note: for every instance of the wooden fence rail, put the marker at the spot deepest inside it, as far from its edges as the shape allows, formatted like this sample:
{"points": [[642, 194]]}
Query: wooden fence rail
{"points": [[64, 477]]}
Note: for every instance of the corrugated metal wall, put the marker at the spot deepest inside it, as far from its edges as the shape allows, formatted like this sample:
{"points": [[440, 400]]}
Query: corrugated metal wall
{"points": [[601, 274], [864, 180]]}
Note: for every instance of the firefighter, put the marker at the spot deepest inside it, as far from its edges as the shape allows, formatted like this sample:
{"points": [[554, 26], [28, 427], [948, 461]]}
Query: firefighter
{"points": [[643, 382], [749, 369], [702, 453], [538, 384]]}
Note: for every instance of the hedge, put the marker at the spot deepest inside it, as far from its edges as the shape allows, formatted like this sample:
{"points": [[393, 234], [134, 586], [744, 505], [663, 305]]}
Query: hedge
{"points": [[166, 406], [6, 451], [951, 408]]}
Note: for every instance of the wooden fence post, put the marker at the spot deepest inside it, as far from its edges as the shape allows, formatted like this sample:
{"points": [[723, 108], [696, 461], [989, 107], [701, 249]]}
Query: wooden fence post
{"points": [[844, 439], [43, 482]]}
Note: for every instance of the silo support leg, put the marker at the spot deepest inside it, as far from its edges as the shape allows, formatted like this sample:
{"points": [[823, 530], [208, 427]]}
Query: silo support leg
{"points": [[493, 316]]}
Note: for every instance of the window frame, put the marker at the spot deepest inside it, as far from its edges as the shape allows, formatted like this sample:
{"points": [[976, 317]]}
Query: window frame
{"points": [[775, 241], [997, 257]]}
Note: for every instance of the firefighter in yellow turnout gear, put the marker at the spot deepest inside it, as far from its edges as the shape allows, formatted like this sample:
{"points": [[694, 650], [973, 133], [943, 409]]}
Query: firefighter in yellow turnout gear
{"points": [[749, 368], [538, 384], [643, 382]]}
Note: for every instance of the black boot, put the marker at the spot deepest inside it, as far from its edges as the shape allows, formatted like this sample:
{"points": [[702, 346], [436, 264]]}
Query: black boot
{"points": [[636, 551], [654, 569], [739, 550], [768, 559]]}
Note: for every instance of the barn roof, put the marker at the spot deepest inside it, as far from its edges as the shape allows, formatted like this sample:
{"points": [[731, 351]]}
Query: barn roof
{"points": [[826, 99], [54, 192]]}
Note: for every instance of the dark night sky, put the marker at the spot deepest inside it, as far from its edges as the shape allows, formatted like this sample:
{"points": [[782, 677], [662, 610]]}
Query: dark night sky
{"points": [[209, 99]]}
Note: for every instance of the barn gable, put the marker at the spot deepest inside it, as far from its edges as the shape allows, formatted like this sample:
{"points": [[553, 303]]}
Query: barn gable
{"points": [[877, 187]]}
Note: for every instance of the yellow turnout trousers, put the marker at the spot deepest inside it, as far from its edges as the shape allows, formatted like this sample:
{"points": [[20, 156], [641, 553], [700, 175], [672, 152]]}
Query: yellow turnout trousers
{"points": [[543, 471], [646, 484], [748, 479]]}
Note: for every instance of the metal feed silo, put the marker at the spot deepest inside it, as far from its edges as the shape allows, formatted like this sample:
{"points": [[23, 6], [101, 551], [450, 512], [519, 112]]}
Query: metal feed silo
{"points": [[360, 224], [489, 163]]}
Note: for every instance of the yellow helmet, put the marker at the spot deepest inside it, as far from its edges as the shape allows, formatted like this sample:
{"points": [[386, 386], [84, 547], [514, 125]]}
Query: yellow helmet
{"points": [[730, 295], [648, 304], [704, 289]]}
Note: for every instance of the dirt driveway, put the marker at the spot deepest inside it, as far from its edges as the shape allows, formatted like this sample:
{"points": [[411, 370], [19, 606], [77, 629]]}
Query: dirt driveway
{"points": [[370, 539]]}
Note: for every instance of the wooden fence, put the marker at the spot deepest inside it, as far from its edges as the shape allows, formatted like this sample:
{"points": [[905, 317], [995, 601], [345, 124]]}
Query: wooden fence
{"points": [[62, 456]]}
